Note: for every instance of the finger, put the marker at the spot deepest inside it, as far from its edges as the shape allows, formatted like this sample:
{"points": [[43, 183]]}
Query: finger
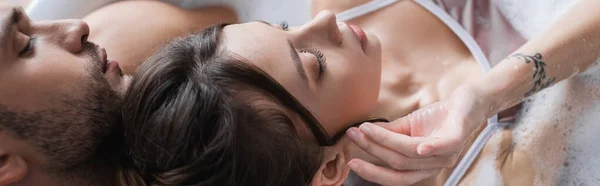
{"points": [[424, 119], [395, 159], [386, 176], [398, 142], [401, 125], [440, 146]]}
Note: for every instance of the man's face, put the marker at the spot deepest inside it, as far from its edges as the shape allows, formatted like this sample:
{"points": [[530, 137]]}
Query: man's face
{"points": [[58, 93], [42, 62]]}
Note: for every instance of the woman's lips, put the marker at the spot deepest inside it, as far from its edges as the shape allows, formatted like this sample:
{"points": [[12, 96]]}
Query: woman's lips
{"points": [[360, 35]]}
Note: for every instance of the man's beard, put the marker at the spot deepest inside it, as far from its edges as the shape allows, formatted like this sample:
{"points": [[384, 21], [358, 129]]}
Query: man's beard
{"points": [[79, 131]]}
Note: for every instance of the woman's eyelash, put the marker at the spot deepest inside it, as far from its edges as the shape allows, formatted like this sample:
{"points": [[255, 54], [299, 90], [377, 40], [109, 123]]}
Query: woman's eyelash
{"points": [[284, 25], [29, 47], [321, 60]]}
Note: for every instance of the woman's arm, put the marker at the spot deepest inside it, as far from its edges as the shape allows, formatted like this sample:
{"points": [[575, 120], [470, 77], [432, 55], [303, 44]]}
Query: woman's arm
{"points": [[441, 130], [567, 47]]}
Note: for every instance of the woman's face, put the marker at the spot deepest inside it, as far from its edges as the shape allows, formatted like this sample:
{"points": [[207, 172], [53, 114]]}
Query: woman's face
{"points": [[332, 68]]}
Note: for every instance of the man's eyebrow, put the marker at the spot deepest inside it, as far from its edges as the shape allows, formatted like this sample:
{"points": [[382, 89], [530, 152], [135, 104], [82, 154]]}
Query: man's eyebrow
{"points": [[9, 21], [297, 63]]}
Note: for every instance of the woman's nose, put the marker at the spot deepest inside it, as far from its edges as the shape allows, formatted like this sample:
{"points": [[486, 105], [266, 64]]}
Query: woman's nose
{"points": [[325, 25], [75, 35]]}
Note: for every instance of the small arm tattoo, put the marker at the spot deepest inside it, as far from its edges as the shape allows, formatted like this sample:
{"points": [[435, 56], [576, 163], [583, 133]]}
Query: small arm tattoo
{"points": [[540, 81]]}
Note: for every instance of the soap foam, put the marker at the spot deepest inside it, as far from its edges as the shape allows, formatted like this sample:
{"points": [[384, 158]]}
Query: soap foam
{"points": [[582, 166], [487, 174], [559, 128]]}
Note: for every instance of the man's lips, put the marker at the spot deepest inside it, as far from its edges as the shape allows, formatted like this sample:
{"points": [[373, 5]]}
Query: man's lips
{"points": [[103, 60], [108, 65], [112, 66]]}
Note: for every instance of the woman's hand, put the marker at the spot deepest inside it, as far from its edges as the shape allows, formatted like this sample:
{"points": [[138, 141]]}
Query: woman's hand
{"points": [[419, 145]]}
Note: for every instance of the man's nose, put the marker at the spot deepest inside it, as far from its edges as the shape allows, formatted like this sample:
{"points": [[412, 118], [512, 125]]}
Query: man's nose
{"points": [[75, 33]]}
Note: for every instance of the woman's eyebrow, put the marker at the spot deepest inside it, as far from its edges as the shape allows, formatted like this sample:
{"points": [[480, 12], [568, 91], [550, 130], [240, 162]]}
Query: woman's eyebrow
{"points": [[269, 24], [264, 22], [295, 57], [297, 63]]}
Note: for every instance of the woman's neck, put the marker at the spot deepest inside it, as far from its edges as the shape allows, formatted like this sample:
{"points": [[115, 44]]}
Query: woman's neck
{"points": [[422, 59]]}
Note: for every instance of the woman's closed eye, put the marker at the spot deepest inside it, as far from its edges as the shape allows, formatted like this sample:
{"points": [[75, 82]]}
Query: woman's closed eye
{"points": [[321, 60]]}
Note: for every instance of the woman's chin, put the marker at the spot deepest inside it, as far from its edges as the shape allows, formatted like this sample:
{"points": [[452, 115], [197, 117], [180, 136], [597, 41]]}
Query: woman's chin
{"points": [[373, 52], [373, 43], [373, 48]]}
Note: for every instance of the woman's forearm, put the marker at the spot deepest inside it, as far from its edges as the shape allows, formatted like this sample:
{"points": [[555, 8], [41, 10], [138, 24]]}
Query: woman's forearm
{"points": [[567, 47]]}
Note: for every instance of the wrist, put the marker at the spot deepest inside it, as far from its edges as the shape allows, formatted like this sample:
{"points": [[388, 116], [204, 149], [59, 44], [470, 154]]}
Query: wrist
{"points": [[485, 99], [471, 104]]}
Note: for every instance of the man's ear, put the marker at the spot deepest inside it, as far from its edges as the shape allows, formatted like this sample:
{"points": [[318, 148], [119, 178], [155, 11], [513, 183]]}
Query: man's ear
{"points": [[333, 170], [12, 168]]}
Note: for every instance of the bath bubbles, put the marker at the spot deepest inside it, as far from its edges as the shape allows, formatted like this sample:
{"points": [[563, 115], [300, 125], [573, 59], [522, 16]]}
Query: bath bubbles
{"points": [[583, 142], [560, 129], [593, 68], [487, 174]]}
